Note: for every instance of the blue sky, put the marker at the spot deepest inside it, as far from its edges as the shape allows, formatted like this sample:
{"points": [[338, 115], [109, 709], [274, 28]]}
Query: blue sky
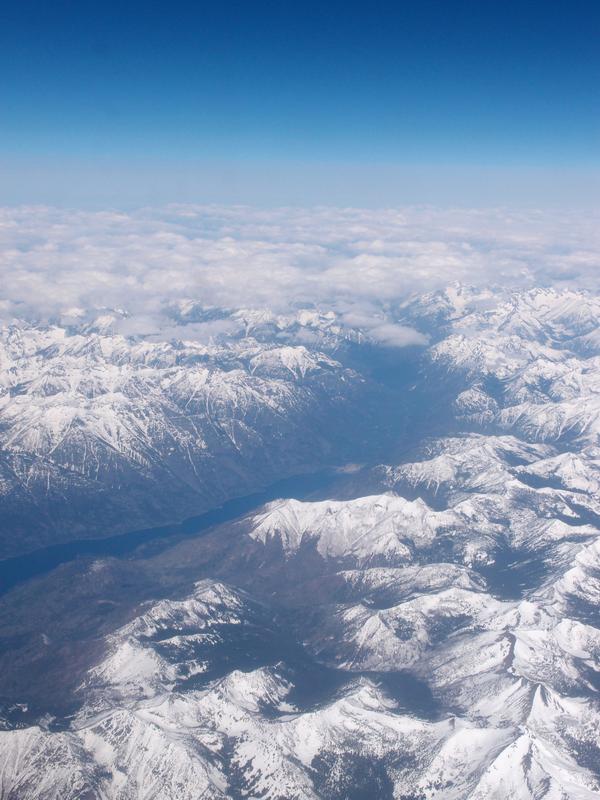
{"points": [[290, 102]]}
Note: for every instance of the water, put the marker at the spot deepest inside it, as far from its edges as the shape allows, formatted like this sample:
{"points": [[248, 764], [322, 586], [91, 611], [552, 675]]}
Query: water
{"points": [[399, 414], [17, 570]]}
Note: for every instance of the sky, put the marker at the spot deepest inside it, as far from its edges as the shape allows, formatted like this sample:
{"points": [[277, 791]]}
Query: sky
{"points": [[460, 102]]}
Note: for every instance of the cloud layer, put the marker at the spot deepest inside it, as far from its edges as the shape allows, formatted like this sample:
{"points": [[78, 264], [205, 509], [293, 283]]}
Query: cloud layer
{"points": [[357, 262]]}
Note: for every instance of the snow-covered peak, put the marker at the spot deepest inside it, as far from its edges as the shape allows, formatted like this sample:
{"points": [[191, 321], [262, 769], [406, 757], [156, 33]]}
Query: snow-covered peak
{"points": [[365, 529]]}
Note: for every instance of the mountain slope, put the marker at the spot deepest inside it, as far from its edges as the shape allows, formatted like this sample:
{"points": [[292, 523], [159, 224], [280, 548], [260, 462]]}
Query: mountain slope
{"points": [[101, 433]]}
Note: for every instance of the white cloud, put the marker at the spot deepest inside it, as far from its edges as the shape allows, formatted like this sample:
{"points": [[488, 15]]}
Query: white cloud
{"points": [[393, 335], [355, 261]]}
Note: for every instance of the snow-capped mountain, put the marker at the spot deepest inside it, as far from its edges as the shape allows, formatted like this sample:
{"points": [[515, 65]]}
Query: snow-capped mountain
{"points": [[425, 629], [101, 433]]}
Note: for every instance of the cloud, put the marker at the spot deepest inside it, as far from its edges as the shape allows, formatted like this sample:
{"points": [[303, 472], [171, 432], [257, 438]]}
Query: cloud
{"points": [[393, 335], [359, 262]]}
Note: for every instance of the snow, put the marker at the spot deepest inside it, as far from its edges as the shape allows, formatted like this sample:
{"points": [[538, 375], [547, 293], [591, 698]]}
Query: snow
{"points": [[361, 529], [404, 584]]}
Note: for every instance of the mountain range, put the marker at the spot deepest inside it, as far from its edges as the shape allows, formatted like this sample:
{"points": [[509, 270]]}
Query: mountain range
{"points": [[422, 626]]}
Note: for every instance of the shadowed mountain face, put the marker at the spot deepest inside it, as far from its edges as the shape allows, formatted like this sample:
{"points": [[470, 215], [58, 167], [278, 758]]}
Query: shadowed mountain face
{"points": [[423, 625]]}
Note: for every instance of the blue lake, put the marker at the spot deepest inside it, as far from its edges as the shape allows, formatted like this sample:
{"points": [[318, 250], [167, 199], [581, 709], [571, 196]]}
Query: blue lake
{"points": [[16, 570]]}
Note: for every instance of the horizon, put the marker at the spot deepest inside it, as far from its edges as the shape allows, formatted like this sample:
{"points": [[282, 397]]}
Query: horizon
{"points": [[271, 104]]}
